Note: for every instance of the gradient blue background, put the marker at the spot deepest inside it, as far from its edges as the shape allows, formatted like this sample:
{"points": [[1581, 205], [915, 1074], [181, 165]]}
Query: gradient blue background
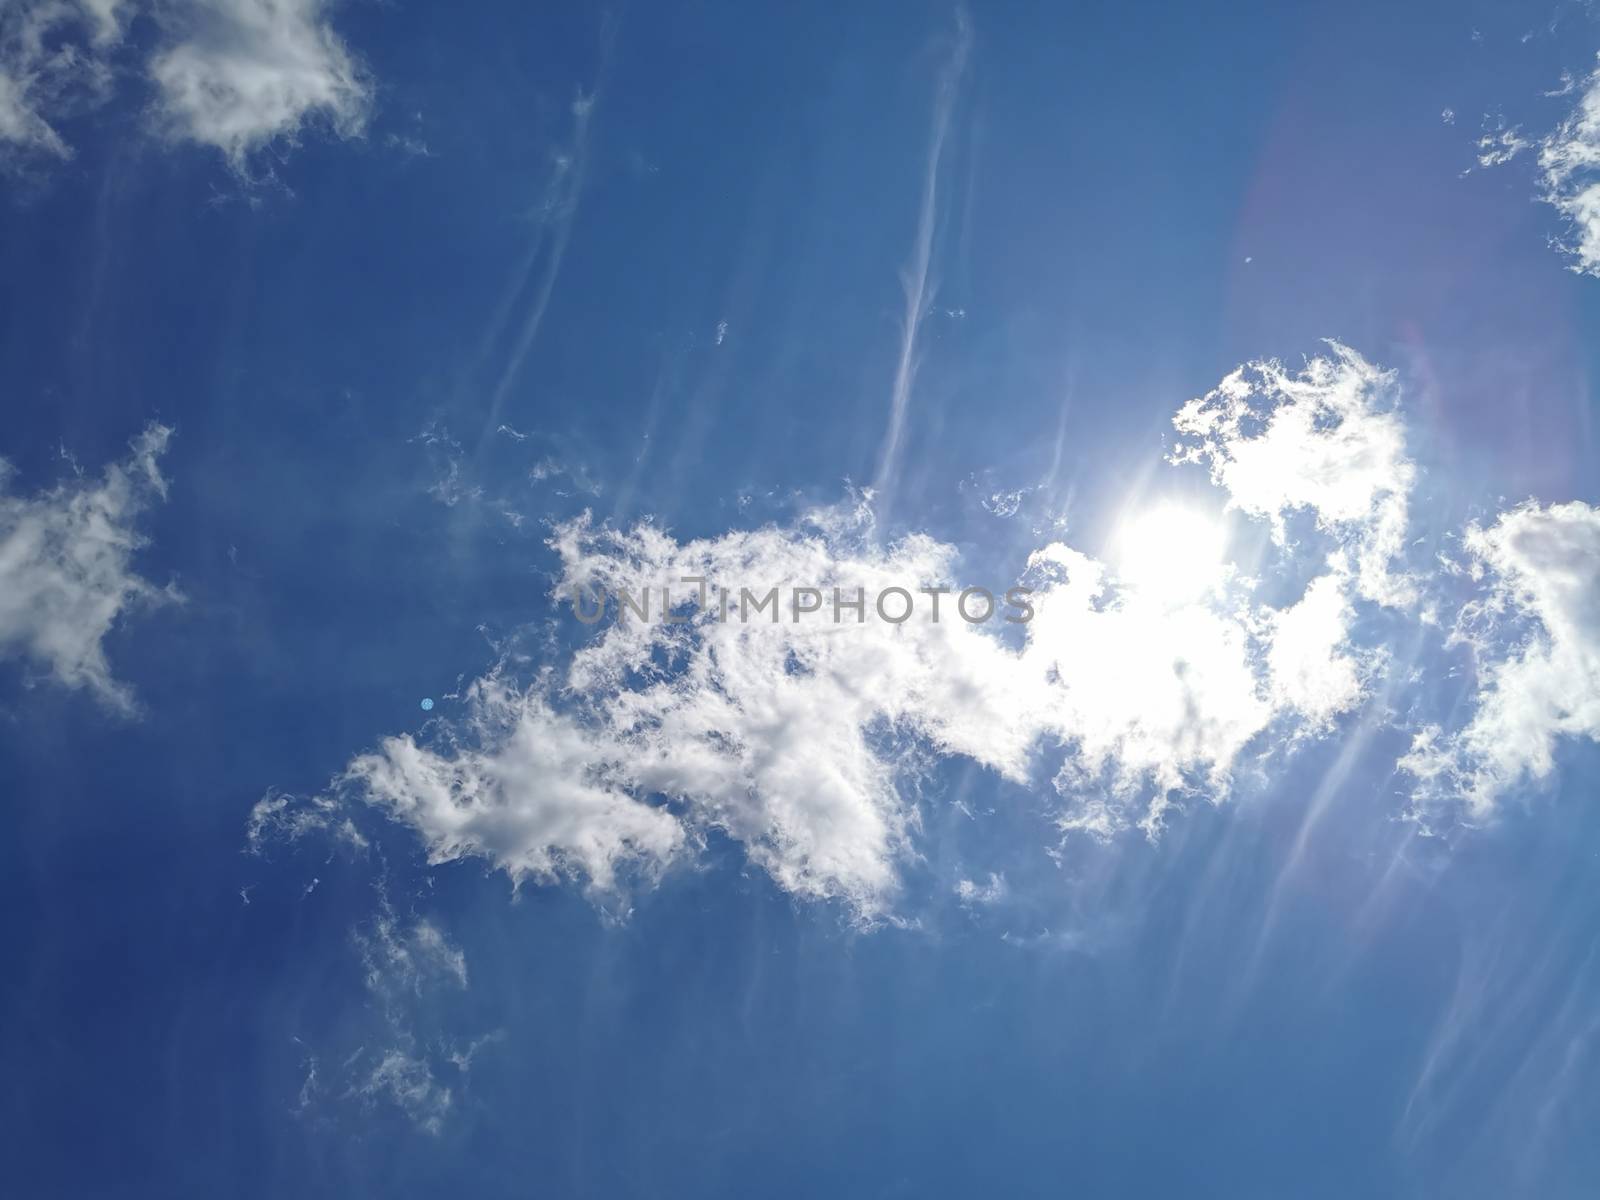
{"points": [[1290, 996]]}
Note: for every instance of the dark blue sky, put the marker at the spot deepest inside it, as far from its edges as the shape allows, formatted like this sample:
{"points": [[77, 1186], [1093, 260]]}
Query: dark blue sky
{"points": [[667, 247]]}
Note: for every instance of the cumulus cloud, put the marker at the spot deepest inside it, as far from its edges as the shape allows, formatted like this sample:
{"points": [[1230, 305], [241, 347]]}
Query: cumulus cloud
{"points": [[801, 733], [1535, 632], [1150, 698], [1327, 441], [66, 574], [802, 737], [785, 735], [239, 74], [524, 786], [1569, 165]]}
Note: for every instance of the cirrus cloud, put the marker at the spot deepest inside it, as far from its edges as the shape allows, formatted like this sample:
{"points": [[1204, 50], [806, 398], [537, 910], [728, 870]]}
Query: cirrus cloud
{"points": [[1569, 166]]}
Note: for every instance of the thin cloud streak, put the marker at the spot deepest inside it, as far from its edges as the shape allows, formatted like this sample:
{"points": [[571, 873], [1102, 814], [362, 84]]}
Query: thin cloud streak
{"points": [[560, 211], [917, 280]]}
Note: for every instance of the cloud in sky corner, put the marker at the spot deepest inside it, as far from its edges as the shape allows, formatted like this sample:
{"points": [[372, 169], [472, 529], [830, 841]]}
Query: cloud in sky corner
{"points": [[241, 74], [52, 61], [1535, 633], [66, 572], [236, 75]]}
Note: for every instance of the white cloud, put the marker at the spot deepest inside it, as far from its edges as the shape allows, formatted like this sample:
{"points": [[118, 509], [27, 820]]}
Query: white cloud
{"points": [[804, 739], [407, 1081], [66, 568], [1569, 164], [1536, 636], [970, 892], [240, 74], [523, 786], [107, 19], [1151, 699], [1500, 145], [1309, 660], [399, 958], [401, 962], [52, 62], [279, 816], [798, 738], [237, 75], [1326, 441]]}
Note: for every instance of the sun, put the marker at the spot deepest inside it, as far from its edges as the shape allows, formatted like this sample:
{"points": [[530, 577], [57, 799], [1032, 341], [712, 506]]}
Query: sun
{"points": [[1170, 553]]}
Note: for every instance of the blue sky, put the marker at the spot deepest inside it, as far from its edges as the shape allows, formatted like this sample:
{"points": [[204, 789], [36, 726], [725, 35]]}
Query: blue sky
{"points": [[341, 341]]}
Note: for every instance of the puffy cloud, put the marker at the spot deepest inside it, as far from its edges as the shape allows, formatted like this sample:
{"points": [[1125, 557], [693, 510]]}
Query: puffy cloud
{"points": [[240, 74], [521, 785], [1569, 164], [1151, 699], [66, 568], [786, 735], [1309, 660], [799, 737], [1536, 636], [1326, 441], [800, 731]]}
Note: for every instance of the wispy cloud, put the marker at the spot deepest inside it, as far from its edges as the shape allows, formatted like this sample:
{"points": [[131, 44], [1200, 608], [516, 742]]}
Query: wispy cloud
{"points": [[1569, 164], [236, 75], [917, 279], [400, 962], [66, 568], [552, 229], [407, 1062], [971, 893], [53, 62]]}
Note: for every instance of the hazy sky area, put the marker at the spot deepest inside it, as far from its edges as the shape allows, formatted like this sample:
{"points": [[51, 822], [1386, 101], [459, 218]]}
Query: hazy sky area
{"points": [[1253, 347]]}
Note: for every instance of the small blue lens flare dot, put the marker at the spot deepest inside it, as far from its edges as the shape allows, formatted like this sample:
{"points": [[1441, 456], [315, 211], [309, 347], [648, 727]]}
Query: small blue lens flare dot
{"points": [[427, 704]]}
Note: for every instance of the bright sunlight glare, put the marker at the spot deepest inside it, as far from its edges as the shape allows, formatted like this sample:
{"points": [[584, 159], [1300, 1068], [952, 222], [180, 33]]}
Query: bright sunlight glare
{"points": [[1170, 553]]}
